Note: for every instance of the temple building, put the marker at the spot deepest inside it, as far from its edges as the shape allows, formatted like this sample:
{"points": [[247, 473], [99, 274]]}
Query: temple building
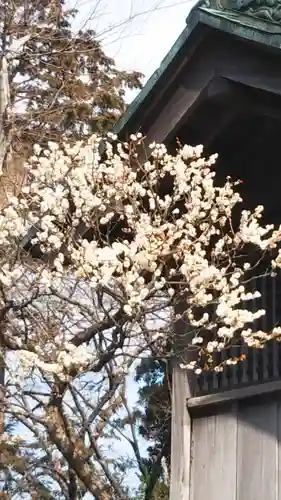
{"points": [[220, 86]]}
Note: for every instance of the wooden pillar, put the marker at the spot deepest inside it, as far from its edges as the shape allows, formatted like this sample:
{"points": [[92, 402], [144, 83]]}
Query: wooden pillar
{"points": [[181, 420], [181, 438]]}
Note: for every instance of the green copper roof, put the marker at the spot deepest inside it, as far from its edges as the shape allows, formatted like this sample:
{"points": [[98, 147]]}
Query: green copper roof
{"points": [[168, 59], [256, 20], [266, 10]]}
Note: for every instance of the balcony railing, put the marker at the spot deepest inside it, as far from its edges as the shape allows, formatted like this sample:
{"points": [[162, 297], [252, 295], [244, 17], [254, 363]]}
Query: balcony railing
{"points": [[260, 365]]}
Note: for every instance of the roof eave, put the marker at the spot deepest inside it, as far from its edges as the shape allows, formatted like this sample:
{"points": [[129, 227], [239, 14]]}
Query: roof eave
{"points": [[242, 26], [194, 19]]}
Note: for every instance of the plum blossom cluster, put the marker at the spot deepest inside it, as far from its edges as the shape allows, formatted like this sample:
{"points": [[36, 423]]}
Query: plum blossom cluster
{"points": [[138, 236], [99, 253]]}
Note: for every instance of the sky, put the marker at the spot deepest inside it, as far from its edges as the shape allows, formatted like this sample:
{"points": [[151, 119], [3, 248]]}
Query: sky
{"points": [[136, 33]]}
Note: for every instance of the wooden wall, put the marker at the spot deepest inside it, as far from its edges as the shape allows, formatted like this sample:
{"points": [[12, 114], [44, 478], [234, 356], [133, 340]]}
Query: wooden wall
{"points": [[236, 451]]}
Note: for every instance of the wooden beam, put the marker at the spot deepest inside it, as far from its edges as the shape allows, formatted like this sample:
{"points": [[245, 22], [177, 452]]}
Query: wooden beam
{"points": [[181, 420], [234, 394], [228, 60], [248, 65], [180, 437], [182, 101]]}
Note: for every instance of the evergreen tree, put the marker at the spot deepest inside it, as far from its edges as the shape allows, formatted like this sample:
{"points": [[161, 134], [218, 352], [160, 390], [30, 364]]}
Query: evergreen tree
{"points": [[62, 84], [160, 492], [155, 424]]}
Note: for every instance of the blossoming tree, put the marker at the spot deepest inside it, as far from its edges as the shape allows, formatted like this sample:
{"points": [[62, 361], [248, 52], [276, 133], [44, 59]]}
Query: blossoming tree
{"points": [[97, 251]]}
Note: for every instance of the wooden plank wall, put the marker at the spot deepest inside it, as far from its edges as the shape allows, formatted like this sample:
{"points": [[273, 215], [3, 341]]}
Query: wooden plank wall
{"points": [[236, 452], [213, 470], [257, 452]]}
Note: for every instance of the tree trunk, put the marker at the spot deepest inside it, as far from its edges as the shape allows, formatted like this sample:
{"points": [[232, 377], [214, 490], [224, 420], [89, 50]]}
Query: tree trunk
{"points": [[4, 148]]}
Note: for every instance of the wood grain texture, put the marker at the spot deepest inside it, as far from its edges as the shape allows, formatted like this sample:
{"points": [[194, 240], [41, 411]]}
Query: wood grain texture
{"points": [[235, 394], [213, 469], [257, 451], [185, 96], [181, 421], [181, 438], [278, 461]]}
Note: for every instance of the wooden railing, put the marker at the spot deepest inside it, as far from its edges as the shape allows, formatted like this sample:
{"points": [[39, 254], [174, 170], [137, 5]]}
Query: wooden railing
{"points": [[260, 365]]}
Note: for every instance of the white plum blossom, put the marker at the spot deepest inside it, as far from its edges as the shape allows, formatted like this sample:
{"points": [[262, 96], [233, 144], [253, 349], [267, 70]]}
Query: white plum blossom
{"points": [[99, 218]]}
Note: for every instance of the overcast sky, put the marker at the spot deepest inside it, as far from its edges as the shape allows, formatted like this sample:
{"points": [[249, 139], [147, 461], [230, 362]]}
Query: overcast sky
{"points": [[137, 33]]}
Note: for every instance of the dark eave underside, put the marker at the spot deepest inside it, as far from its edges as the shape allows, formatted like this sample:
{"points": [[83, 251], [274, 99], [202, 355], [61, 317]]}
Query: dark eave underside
{"points": [[199, 22]]}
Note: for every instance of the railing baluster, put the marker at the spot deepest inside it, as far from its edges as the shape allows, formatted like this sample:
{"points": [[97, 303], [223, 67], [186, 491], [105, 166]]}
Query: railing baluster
{"points": [[260, 365], [275, 283], [275, 355], [215, 381], [273, 301], [265, 362], [224, 356], [244, 365], [253, 353], [205, 385], [234, 369], [264, 303], [262, 356]]}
